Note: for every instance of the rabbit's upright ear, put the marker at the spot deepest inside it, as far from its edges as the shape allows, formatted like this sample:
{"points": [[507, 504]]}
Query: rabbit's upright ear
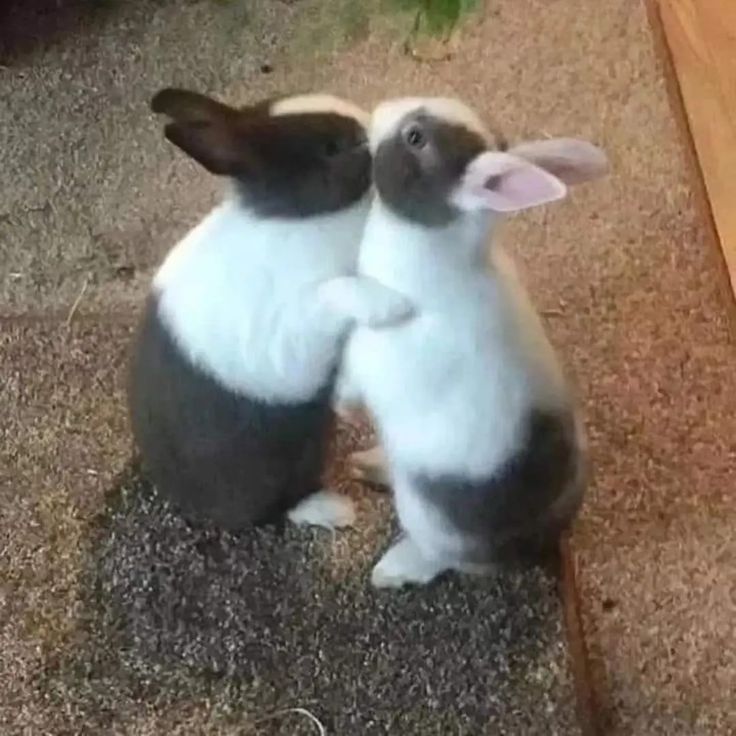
{"points": [[505, 183], [571, 160], [205, 129], [529, 174], [186, 106]]}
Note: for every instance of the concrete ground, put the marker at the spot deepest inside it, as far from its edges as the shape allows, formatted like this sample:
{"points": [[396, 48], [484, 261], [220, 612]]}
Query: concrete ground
{"points": [[631, 281]]}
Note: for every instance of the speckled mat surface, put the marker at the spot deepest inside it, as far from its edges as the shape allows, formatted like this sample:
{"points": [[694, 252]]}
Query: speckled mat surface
{"points": [[141, 611]]}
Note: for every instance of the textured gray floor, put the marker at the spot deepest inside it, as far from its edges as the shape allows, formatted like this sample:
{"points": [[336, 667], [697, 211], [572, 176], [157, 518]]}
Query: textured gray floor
{"points": [[88, 193]]}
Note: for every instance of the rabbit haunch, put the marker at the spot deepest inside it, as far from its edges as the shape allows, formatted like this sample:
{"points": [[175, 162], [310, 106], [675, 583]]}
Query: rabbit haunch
{"points": [[479, 429], [234, 365]]}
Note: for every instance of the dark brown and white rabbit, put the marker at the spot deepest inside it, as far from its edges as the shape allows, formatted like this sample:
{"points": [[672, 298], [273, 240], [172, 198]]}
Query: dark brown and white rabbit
{"points": [[480, 432], [234, 365]]}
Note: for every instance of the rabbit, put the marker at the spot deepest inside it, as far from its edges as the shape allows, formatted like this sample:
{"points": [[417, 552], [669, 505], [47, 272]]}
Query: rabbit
{"points": [[479, 431], [233, 367]]}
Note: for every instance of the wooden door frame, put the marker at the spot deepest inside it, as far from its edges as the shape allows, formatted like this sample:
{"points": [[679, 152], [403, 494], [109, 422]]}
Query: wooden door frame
{"points": [[698, 40]]}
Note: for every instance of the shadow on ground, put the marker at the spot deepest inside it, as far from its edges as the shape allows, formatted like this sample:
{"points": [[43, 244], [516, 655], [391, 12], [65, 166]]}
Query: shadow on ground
{"points": [[30, 25]]}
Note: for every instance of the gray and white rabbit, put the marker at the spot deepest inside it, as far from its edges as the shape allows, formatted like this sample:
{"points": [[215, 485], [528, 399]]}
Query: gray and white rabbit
{"points": [[481, 436], [234, 365]]}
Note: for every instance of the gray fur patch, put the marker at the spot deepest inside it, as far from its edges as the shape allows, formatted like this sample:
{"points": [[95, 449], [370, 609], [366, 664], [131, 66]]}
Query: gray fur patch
{"points": [[519, 512], [291, 166], [416, 181], [306, 164]]}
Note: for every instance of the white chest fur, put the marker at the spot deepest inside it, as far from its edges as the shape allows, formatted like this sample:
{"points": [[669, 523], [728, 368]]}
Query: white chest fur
{"points": [[229, 293], [450, 388]]}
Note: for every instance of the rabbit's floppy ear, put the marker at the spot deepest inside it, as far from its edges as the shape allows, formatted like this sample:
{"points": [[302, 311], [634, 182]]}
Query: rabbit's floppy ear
{"points": [[205, 129]]}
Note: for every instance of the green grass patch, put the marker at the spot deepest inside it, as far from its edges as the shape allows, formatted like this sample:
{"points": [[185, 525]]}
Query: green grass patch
{"points": [[436, 17]]}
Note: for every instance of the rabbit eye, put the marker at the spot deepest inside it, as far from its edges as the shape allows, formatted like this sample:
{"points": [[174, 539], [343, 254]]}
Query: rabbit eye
{"points": [[415, 137]]}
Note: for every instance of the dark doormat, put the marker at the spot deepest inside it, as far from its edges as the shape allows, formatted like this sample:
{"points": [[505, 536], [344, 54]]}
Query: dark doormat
{"points": [[285, 618]]}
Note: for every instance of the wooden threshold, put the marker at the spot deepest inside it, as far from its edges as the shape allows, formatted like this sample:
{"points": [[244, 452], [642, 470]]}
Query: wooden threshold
{"points": [[701, 35], [587, 706]]}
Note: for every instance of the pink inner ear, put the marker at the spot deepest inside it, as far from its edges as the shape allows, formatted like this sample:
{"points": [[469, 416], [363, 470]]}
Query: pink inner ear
{"points": [[522, 187], [506, 183]]}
